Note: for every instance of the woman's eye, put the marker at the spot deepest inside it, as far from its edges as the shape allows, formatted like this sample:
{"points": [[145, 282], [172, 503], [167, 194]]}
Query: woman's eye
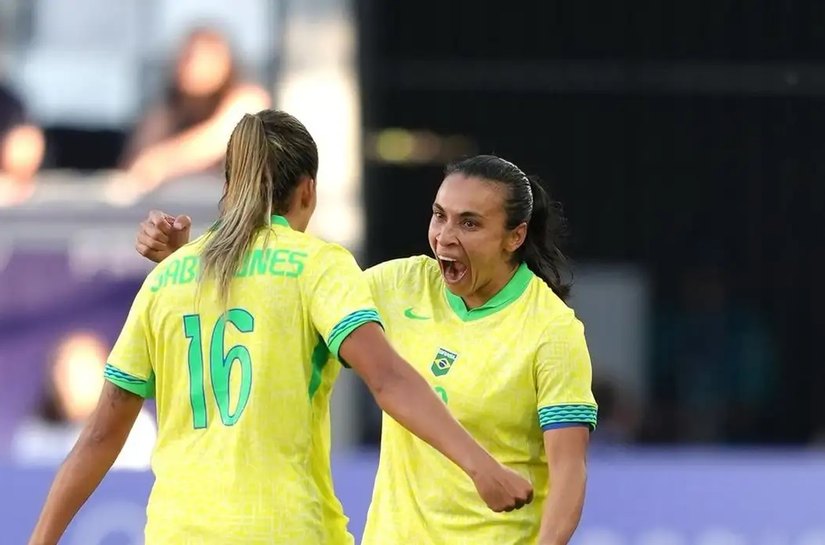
{"points": [[469, 224]]}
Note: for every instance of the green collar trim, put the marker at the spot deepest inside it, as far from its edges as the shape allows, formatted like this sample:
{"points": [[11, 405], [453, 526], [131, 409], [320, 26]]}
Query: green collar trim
{"points": [[274, 219], [509, 293], [279, 220]]}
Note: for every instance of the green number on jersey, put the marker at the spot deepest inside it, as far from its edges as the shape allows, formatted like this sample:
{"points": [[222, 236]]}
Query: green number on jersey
{"points": [[220, 366]]}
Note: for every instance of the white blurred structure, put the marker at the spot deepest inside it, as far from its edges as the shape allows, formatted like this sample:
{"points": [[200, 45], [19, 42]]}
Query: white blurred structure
{"points": [[95, 62], [613, 301]]}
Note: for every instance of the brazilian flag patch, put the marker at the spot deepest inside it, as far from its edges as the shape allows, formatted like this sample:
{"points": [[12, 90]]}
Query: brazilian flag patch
{"points": [[443, 362]]}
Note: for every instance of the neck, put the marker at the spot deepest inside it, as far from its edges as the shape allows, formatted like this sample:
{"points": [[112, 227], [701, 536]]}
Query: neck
{"points": [[487, 291], [295, 221]]}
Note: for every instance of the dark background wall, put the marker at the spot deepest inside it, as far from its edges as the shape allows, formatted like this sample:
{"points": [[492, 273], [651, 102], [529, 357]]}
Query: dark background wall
{"points": [[686, 137]]}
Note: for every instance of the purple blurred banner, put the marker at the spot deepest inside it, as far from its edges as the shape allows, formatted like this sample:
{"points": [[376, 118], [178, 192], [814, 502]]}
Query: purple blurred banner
{"points": [[44, 295], [634, 498]]}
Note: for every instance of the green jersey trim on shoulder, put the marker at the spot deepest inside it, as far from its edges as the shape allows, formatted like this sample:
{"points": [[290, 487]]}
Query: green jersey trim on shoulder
{"points": [[573, 413], [130, 383], [347, 325], [507, 295]]}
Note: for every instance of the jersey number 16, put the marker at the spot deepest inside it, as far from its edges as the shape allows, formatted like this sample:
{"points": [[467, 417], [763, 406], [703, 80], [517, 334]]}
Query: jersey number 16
{"points": [[220, 366]]}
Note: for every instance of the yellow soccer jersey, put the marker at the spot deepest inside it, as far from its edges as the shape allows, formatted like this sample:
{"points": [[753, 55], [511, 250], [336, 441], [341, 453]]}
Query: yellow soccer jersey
{"points": [[507, 371], [242, 397], [334, 520]]}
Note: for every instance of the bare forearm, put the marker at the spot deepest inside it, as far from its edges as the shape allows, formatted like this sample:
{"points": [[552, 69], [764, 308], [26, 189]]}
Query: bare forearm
{"points": [[77, 478], [196, 149], [563, 507], [172, 159], [205, 143], [408, 399]]}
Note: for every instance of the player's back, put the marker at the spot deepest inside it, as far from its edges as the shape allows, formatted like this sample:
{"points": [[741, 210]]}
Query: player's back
{"points": [[234, 388]]}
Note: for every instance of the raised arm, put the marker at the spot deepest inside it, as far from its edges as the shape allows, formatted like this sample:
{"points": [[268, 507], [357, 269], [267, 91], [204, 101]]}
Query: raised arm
{"points": [[200, 146]]}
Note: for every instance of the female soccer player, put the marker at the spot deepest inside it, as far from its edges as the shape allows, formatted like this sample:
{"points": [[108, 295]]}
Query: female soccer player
{"points": [[232, 335], [485, 323]]}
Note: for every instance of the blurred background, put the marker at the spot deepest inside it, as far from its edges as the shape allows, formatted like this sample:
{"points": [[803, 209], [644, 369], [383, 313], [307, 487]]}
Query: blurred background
{"points": [[684, 138]]}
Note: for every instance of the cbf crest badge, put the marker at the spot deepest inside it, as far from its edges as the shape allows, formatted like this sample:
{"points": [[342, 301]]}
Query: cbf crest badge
{"points": [[443, 361]]}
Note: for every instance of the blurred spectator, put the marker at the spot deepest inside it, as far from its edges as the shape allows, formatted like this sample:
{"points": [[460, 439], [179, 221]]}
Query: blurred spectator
{"points": [[187, 131], [73, 386], [714, 365], [21, 150]]}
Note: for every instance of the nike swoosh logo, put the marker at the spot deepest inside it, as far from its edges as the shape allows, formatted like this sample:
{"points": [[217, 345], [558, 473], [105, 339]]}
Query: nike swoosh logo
{"points": [[409, 313]]}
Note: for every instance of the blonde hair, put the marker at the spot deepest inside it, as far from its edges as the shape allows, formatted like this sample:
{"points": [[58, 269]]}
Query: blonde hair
{"points": [[267, 155]]}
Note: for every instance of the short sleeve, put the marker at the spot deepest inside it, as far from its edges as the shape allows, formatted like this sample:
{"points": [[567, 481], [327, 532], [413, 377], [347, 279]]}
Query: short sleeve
{"points": [[373, 277], [382, 280], [386, 280], [338, 295], [130, 363], [564, 377]]}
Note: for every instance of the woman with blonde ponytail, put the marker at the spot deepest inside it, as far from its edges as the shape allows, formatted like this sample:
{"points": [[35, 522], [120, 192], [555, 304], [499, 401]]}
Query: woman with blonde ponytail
{"points": [[231, 334]]}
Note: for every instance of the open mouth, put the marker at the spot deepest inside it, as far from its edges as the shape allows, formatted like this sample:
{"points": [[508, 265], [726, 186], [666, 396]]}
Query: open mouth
{"points": [[452, 269]]}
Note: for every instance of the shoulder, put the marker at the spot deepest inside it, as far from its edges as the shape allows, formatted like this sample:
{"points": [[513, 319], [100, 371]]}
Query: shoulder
{"points": [[154, 280], [191, 248], [320, 251], [314, 249], [321, 258], [396, 272], [179, 267], [554, 315]]}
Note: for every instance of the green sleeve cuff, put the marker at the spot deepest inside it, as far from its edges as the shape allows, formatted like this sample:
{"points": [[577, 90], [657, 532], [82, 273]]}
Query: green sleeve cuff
{"points": [[350, 323], [138, 386], [553, 416]]}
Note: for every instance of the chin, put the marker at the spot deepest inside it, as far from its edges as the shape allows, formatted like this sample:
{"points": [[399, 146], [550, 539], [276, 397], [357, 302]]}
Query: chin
{"points": [[452, 289], [460, 289]]}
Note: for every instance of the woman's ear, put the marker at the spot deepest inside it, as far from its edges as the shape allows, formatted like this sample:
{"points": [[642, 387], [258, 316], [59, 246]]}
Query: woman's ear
{"points": [[306, 188], [516, 238]]}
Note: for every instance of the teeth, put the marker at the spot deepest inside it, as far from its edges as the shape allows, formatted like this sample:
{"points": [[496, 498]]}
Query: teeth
{"points": [[442, 258]]}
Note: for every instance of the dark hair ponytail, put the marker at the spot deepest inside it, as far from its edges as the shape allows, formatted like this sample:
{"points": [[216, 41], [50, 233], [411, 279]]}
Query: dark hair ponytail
{"points": [[545, 229], [526, 202]]}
